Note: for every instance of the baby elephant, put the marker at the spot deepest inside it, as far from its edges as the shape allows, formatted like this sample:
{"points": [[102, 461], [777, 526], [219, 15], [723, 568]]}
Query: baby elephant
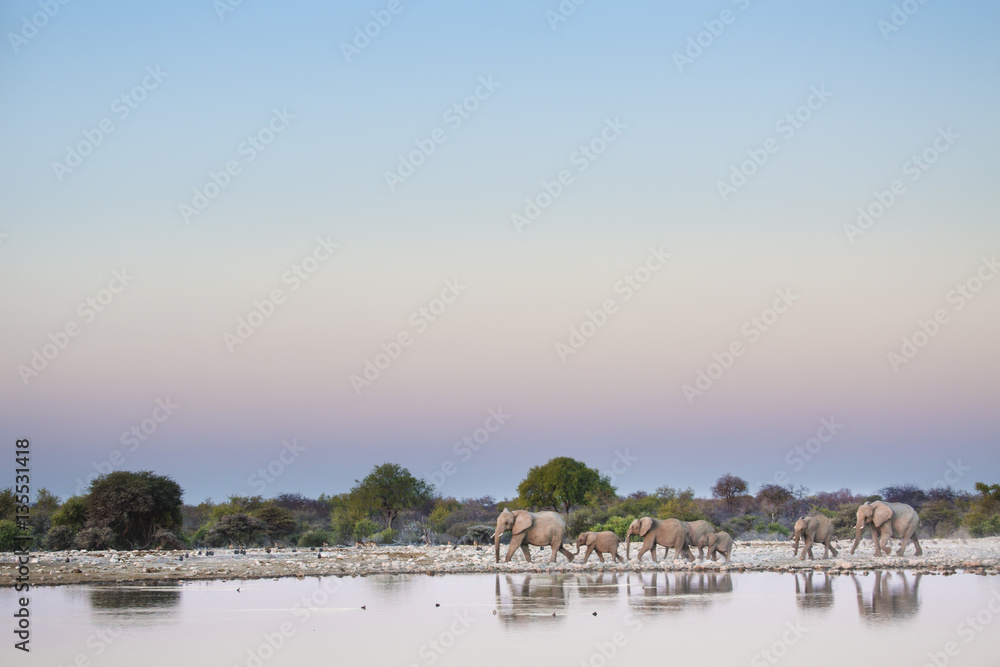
{"points": [[814, 528], [605, 542], [721, 542]]}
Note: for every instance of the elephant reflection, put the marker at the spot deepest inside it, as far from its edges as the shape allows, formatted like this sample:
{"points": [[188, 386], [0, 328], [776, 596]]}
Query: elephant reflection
{"points": [[813, 594], [535, 598], [893, 596], [602, 585], [662, 591]]}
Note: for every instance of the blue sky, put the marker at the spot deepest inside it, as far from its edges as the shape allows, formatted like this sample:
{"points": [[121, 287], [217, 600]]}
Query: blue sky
{"points": [[223, 80]]}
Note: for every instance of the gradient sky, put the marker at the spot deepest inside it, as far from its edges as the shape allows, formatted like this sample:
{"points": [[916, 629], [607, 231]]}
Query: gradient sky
{"points": [[891, 95]]}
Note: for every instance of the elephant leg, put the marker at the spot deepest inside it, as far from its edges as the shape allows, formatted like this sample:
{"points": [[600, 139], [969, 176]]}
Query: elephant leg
{"points": [[809, 547], [526, 550], [515, 542], [564, 551], [884, 544], [829, 545], [586, 556], [599, 556], [916, 543], [876, 539]]}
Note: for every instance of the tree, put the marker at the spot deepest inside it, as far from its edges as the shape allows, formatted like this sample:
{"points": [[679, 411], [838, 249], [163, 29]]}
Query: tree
{"points": [[772, 498], [279, 521], [72, 514], [237, 529], [562, 483], [911, 494], [134, 505], [390, 488], [729, 487]]}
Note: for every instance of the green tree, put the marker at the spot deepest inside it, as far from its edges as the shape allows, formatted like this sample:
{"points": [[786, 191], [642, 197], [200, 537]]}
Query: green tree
{"points": [[562, 483], [773, 498], [677, 504], [72, 514], [134, 505], [279, 521], [237, 529], [390, 488]]}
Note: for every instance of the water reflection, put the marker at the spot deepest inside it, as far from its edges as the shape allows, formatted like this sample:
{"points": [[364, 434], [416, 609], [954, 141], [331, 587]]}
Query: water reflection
{"points": [[535, 598], [892, 596], [136, 603], [814, 591], [671, 592]]}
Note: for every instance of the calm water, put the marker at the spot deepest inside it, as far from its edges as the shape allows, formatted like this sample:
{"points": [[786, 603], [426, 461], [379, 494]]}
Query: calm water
{"points": [[889, 618]]}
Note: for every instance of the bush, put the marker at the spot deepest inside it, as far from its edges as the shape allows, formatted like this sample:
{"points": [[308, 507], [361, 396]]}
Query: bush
{"points": [[387, 536], [480, 534], [59, 538], [618, 525], [315, 538], [10, 536], [94, 539], [164, 540], [983, 527], [364, 529], [777, 528]]}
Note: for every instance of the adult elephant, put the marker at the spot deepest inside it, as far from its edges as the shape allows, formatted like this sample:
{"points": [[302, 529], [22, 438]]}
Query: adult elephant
{"points": [[531, 528], [814, 528], [668, 533], [697, 530], [888, 520], [604, 542]]}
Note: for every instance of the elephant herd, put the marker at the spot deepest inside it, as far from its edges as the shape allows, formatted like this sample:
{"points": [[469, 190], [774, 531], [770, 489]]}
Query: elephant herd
{"points": [[540, 529]]}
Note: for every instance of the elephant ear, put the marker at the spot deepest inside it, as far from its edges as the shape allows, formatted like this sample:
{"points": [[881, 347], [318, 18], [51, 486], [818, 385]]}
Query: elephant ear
{"points": [[522, 521], [712, 539], [645, 523], [591, 538], [882, 514]]}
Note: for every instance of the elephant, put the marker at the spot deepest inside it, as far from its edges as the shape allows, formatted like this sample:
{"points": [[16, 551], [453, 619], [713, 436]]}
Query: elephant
{"points": [[535, 528], [888, 601], [814, 528], [814, 595], [696, 530], [605, 542], [717, 543], [668, 533], [888, 520]]}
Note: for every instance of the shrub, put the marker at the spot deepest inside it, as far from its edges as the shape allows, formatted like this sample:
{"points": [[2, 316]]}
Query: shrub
{"points": [[315, 538], [618, 525], [59, 538], [777, 528], [165, 540], [94, 539], [11, 537], [387, 536], [480, 534], [364, 529]]}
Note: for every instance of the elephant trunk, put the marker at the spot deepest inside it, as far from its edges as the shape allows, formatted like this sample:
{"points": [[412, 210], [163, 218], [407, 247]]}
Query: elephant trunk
{"points": [[798, 533], [496, 544], [857, 537], [628, 544]]}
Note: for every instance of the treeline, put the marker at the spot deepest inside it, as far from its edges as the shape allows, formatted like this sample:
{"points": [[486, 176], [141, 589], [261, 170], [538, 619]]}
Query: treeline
{"points": [[142, 510]]}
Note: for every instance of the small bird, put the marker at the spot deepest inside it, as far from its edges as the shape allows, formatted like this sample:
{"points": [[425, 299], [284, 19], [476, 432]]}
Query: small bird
{"points": [[237, 590], [364, 606], [437, 604], [595, 613], [494, 612]]}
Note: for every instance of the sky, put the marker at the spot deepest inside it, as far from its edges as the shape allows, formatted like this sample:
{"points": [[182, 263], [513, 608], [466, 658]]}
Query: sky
{"points": [[263, 248]]}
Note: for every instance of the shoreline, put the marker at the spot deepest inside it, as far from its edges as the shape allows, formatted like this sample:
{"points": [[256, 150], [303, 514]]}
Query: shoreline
{"points": [[59, 568]]}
